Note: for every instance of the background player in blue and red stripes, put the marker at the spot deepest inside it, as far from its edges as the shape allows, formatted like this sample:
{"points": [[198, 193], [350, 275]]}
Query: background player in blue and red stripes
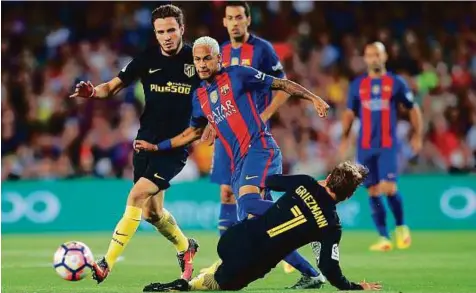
{"points": [[374, 98], [227, 100], [245, 49]]}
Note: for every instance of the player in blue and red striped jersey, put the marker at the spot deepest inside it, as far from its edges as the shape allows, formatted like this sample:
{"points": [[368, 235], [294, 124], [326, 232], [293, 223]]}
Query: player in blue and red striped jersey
{"points": [[227, 100], [374, 98], [246, 49]]}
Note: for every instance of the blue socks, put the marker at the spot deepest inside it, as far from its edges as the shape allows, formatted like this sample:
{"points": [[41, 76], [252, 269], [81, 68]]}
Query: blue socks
{"points": [[396, 205], [253, 204], [301, 264], [228, 217], [379, 215]]}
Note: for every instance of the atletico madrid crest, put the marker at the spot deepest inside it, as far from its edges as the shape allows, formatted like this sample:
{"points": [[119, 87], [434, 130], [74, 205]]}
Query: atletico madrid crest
{"points": [[189, 70]]}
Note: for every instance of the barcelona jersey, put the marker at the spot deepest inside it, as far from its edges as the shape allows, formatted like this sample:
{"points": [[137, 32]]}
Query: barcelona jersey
{"points": [[257, 53], [229, 104], [375, 102]]}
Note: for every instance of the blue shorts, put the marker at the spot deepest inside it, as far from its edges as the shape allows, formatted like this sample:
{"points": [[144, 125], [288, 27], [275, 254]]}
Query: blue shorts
{"points": [[255, 167], [221, 171], [382, 164]]}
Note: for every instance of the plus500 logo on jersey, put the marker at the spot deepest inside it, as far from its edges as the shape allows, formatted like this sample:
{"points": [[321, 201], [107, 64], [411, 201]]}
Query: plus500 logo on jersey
{"points": [[376, 105], [221, 112], [171, 87]]}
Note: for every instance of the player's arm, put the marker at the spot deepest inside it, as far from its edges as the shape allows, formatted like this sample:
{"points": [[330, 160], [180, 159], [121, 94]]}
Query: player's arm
{"points": [[198, 122], [327, 254], [297, 90], [405, 96], [279, 99], [271, 65], [188, 136], [258, 80], [282, 183], [126, 76], [349, 113], [104, 90], [347, 118]]}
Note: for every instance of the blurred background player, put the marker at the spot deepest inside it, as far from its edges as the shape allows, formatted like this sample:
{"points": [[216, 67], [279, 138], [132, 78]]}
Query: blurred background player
{"points": [[227, 99], [245, 49], [166, 113], [375, 98], [305, 213]]}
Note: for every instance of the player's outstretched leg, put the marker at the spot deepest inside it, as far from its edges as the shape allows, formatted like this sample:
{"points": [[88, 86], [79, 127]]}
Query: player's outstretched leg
{"points": [[228, 213], [166, 225], [379, 217], [394, 199], [126, 228], [310, 278], [307, 282]]}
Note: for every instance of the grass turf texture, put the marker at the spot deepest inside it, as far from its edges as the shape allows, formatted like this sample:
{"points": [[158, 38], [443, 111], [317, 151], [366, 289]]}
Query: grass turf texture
{"points": [[437, 262]]}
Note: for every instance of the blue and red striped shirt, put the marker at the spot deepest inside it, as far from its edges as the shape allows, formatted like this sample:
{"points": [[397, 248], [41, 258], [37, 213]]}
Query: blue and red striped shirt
{"points": [[375, 101], [229, 104], [257, 53]]}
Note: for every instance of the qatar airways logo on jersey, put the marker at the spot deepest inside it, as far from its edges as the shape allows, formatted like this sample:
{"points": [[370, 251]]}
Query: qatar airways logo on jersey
{"points": [[221, 112], [376, 105]]}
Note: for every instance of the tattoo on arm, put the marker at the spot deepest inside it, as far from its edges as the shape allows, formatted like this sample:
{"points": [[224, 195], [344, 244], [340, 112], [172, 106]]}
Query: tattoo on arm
{"points": [[292, 88]]}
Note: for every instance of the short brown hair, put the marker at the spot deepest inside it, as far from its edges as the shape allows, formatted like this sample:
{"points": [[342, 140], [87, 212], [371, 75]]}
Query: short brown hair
{"points": [[345, 178], [243, 4], [168, 10]]}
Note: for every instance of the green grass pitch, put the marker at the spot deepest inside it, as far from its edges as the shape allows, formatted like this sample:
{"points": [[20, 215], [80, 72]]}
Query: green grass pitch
{"points": [[437, 262]]}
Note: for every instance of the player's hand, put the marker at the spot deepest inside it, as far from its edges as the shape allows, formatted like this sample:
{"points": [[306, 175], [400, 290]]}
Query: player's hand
{"points": [[142, 145], [209, 135], [372, 286], [321, 107], [416, 144], [134, 146], [84, 90]]}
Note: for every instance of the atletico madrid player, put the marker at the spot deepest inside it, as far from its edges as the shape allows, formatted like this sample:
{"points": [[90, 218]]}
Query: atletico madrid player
{"points": [[305, 213]]}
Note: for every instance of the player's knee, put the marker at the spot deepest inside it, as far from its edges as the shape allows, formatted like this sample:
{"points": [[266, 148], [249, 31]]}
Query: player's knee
{"points": [[137, 196], [248, 189], [151, 215], [388, 188], [226, 195], [141, 191], [373, 190]]}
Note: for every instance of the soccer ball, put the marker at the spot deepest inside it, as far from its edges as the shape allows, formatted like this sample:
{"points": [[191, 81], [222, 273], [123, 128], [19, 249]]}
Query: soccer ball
{"points": [[72, 260]]}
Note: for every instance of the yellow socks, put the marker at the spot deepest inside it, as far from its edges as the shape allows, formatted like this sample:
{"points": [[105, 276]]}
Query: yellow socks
{"points": [[204, 282], [168, 227], [125, 229]]}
